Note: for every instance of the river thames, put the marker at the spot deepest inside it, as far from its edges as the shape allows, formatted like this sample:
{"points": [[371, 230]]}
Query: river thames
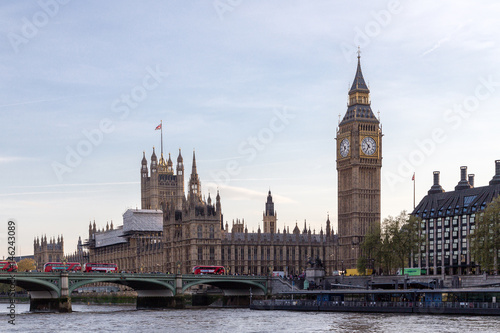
{"points": [[111, 318]]}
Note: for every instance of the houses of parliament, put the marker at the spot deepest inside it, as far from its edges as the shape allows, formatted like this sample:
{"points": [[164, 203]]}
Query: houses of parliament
{"points": [[177, 229]]}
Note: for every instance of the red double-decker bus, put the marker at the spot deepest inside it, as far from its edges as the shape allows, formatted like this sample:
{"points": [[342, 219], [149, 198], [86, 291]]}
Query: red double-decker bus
{"points": [[62, 266], [100, 268], [8, 266], [208, 270]]}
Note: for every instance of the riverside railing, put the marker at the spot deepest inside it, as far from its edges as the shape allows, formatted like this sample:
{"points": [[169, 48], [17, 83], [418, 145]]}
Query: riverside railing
{"points": [[357, 304]]}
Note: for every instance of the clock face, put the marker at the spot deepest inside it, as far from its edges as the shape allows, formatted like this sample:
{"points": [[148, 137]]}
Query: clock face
{"points": [[344, 147], [368, 146]]}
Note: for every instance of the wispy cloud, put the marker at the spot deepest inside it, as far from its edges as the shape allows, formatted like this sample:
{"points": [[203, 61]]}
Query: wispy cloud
{"points": [[444, 40], [242, 193], [436, 46]]}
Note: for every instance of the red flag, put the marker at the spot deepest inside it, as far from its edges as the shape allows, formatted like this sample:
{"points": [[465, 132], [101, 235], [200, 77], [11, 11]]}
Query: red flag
{"points": [[413, 178], [158, 127]]}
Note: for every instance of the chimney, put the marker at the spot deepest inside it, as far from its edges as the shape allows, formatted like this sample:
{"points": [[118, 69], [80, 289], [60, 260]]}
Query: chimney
{"points": [[496, 177], [436, 188], [471, 180], [463, 184]]}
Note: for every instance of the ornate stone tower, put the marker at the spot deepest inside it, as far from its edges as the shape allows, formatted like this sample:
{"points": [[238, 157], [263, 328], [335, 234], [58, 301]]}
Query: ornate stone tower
{"points": [[162, 186], [359, 160], [269, 216], [46, 251], [194, 195]]}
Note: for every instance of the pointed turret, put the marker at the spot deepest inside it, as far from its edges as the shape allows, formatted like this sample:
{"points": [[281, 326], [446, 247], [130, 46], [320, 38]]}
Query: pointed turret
{"points": [[153, 157], [269, 216], [170, 165], [144, 180], [359, 99], [180, 181], [269, 205], [144, 162], [194, 183], [359, 85], [193, 169], [328, 226], [179, 158], [218, 209], [153, 189]]}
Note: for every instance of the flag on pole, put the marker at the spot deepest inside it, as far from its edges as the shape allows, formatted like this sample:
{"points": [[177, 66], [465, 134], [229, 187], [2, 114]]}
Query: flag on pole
{"points": [[413, 178], [158, 127]]}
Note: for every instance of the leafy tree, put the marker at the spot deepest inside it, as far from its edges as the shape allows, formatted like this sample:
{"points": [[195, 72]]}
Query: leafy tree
{"points": [[361, 265], [26, 264], [485, 241], [392, 246], [372, 248], [403, 231]]}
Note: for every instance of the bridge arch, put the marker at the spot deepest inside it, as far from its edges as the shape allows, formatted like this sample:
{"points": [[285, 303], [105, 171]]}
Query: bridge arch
{"points": [[138, 284], [36, 286], [229, 284]]}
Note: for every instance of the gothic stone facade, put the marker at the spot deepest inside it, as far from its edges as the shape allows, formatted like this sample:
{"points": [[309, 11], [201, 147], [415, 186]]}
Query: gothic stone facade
{"points": [[174, 240], [193, 231], [48, 251]]}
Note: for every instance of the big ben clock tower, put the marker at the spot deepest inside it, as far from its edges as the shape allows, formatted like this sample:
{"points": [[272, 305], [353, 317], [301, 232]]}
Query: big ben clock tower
{"points": [[359, 160]]}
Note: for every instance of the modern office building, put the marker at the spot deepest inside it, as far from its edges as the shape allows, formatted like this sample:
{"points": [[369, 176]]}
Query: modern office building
{"points": [[448, 218]]}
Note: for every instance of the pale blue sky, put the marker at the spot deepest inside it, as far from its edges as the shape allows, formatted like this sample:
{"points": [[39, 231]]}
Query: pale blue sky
{"points": [[278, 71]]}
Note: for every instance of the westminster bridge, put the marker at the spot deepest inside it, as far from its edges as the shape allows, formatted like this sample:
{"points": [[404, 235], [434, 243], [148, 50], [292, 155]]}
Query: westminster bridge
{"points": [[52, 291]]}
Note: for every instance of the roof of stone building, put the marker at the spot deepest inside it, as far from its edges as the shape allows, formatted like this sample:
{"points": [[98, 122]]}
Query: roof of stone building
{"points": [[110, 237], [134, 220], [266, 237], [460, 202], [360, 112], [143, 220]]}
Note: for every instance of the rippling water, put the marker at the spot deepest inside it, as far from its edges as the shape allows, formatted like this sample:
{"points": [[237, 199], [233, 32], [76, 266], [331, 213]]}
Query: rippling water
{"points": [[110, 318]]}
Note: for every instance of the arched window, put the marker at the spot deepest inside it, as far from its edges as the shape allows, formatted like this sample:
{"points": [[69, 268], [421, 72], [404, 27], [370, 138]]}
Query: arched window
{"points": [[200, 232], [211, 232]]}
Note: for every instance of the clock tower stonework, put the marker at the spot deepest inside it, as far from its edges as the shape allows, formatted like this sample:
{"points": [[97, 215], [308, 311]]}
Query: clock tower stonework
{"points": [[359, 162]]}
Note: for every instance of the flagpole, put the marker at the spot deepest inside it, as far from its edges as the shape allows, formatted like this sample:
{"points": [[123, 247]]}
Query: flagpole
{"points": [[161, 130], [414, 191]]}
